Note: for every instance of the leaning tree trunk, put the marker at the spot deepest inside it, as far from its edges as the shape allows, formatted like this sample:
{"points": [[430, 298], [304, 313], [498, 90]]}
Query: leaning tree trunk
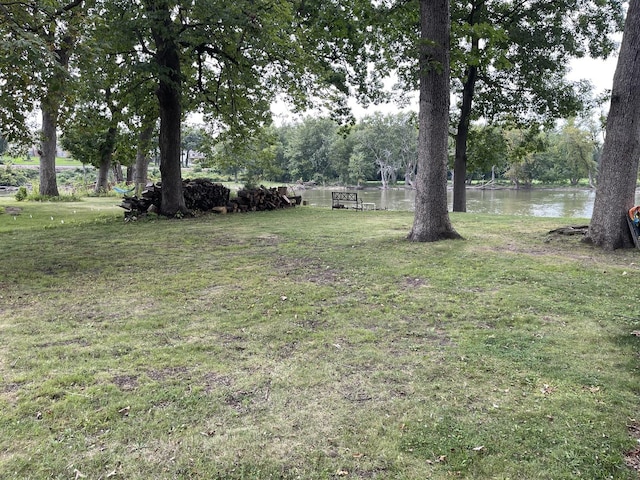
{"points": [[431, 221], [618, 172], [49, 147]]}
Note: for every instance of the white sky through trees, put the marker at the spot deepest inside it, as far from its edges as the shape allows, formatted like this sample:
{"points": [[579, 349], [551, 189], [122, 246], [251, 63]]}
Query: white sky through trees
{"points": [[599, 72]]}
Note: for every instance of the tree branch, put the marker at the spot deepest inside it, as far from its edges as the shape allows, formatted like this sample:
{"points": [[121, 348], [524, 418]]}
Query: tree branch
{"points": [[68, 7]]}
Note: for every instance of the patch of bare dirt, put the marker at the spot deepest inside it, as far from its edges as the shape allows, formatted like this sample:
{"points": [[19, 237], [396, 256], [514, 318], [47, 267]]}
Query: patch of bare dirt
{"points": [[169, 373], [214, 380], [415, 282], [126, 383], [310, 270]]}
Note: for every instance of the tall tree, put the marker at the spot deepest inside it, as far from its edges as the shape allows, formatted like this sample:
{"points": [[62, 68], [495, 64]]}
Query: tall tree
{"points": [[509, 60], [431, 221], [515, 58], [390, 141], [254, 157], [38, 40], [618, 171], [111, 100], [576, 148], [309, 149], [229, 60], [143, 148]]}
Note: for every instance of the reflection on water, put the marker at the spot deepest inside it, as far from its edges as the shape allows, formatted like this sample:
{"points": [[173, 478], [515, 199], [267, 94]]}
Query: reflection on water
{"points": [[539, 203]]}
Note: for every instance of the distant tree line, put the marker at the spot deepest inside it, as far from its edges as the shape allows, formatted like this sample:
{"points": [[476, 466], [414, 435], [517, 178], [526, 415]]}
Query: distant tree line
{"points": [[383, 148]]}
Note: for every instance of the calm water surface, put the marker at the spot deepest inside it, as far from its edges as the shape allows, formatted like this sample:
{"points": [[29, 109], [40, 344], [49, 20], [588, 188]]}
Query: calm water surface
{"points": [[539, 203]]}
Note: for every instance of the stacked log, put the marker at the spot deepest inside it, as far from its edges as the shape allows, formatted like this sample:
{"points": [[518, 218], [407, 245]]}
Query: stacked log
{"points": [[258, 199], [148, 202], [203, 195]]}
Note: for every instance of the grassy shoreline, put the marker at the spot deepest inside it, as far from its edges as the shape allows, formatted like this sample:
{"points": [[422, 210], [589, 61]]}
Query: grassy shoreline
{"points": [[311, 343]]}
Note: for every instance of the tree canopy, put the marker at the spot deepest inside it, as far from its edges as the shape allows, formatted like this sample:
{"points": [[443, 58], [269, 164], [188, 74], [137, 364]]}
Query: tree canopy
{"points": [[509, 60]]}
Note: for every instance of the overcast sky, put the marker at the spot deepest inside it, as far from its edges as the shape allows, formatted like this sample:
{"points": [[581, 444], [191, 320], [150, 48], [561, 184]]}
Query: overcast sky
{"points": [[599, 72]]}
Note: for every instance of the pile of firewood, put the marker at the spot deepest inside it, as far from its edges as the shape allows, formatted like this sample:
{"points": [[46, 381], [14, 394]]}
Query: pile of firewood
{"points": [[261, 198], [203, 195], [199, 195]]}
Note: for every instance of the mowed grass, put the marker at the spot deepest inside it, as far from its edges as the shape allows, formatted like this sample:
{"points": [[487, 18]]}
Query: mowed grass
{"points": [[310, 343]]}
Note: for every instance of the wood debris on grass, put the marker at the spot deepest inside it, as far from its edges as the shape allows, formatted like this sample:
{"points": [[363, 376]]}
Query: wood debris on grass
{"points": [[632, 457]]}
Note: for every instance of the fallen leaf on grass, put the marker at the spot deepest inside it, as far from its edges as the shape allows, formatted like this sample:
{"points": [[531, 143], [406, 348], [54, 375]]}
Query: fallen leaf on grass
{"points": [[342, 473], [547, 389]]}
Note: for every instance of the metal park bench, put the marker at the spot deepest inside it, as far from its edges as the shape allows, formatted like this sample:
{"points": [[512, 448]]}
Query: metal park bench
{"points": [[346, 200]]}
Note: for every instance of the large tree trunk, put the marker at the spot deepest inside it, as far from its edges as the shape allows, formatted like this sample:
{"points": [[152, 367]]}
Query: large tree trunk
{"points": [[50, 107], [170, 166], [117, 172], [170, 102], [618, 172], [431, 220], [102, 179], [142, 157], [462, 135], [48, 148], [460, 162], [106, 156]]}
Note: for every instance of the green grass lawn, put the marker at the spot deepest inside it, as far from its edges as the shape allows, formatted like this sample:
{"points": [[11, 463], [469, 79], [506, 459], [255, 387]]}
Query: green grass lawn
{"points": [[35, 161], [310, 343]]}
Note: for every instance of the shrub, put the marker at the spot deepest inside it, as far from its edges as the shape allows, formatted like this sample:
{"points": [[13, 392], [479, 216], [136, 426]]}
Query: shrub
{"points": [[16, 177], [22, 194]]}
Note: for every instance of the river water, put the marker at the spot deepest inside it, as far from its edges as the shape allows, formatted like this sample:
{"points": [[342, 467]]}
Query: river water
{"points": [[534, 202]]}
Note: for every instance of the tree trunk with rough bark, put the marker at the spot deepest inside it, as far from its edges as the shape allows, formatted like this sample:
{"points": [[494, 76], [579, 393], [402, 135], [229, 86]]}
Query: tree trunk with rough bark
{"points": [[50, 107], [117, 172], [431, 220], [169, 95], [102, 178], [618, 172], [142, 158], [48, 150], [462, 136], [106, 156]]}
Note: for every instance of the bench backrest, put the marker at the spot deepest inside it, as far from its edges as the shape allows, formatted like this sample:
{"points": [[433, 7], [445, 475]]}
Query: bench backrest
{"points": [[345, 196]]}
